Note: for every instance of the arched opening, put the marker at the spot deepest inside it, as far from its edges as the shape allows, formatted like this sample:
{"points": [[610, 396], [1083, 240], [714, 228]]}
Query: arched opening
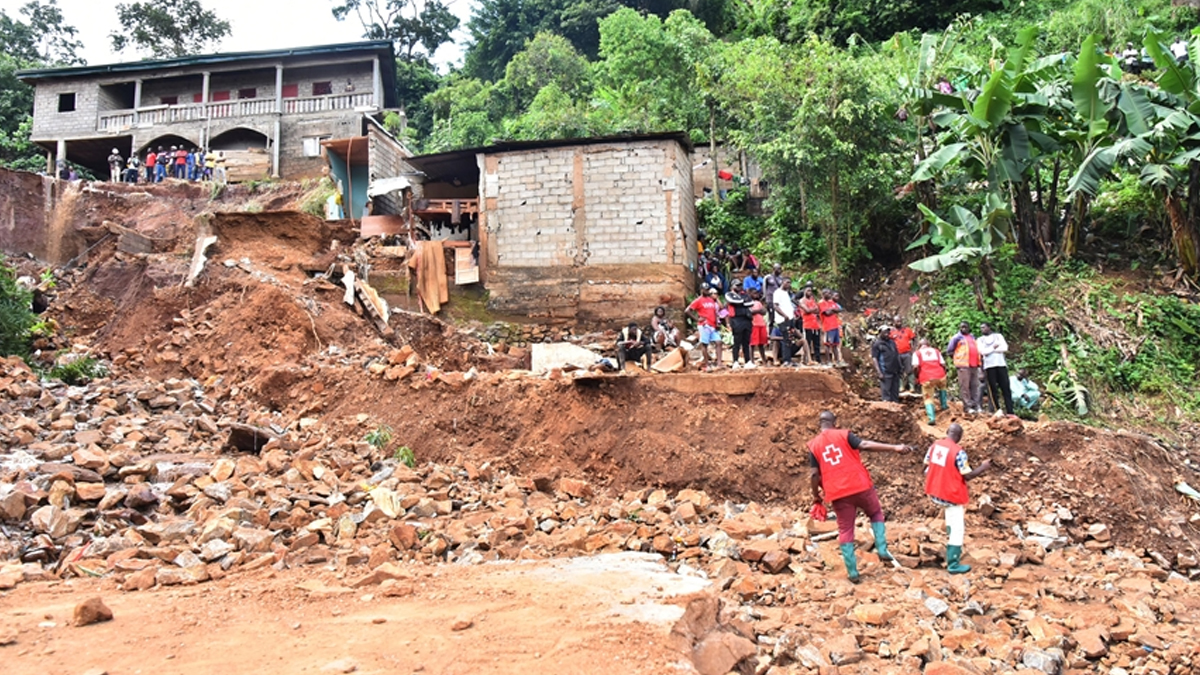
{"points": [[244, 153], [165, 142], [240, 138]]}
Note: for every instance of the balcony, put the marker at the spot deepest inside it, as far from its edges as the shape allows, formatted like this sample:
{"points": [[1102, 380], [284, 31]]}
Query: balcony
{"points": [[119, 120]]}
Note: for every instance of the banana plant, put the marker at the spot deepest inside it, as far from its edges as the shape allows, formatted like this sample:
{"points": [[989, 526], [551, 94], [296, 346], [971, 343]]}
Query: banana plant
{"points": [[965, 237], [1161, 133]]}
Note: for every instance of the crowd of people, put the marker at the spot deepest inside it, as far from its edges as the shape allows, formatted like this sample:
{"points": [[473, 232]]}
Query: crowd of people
{"points": [[161, 163], [765, 321], [980, 364]]}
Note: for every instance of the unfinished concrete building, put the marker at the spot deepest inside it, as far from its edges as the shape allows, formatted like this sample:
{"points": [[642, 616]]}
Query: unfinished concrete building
{"points": [[268, 111], [596, 229]]}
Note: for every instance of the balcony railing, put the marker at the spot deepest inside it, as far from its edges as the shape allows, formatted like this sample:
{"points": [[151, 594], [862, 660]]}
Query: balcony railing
{"points": [[117, 120]]}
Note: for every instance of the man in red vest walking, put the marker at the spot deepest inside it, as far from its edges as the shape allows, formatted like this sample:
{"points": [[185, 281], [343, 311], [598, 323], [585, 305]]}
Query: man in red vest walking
{"points": [[837, 469], [947, 473], [930, 368]]}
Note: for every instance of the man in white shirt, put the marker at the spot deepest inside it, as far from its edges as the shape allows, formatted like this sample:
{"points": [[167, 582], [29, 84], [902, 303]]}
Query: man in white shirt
{"points": [[1179, 49], [785, 313], [993, 347]]}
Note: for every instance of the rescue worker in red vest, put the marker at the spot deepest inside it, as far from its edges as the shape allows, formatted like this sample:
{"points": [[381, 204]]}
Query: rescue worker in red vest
{"points": [[930, 369], [969, 363], [947, 473], [837, 469]]}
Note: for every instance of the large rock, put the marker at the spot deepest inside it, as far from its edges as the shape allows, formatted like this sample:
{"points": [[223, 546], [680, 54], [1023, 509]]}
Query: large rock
{"points": [[718, 653], [90, 611], [843, 650]]}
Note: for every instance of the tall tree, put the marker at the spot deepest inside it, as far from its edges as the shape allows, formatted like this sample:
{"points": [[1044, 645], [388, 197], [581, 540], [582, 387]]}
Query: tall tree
{"points": [[168, 28], [43, 38], [410, 24]]}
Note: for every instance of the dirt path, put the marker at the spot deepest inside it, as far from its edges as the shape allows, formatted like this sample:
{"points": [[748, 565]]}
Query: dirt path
{"points": [[601, 614]]}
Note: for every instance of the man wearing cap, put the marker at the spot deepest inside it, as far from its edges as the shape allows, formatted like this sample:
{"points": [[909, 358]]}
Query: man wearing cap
{"points": [[704, 309], [116, 166], [838, 473]]}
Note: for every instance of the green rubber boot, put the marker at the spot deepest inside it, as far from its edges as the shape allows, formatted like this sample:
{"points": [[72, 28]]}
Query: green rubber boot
{"points": [[880, 531], [942, 398], [932, 415], [953, 556], [851, 561]]}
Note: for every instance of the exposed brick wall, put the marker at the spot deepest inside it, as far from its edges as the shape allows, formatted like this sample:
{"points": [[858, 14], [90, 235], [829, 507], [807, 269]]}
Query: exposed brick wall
{"points": [[553, 214], [49, 124], [387, 160]]}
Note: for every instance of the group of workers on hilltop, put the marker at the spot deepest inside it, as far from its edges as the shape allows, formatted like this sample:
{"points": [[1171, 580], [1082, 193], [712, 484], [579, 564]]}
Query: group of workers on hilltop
{"points": [[977, 361], [839, 476], [760, 317], [160, 163]]}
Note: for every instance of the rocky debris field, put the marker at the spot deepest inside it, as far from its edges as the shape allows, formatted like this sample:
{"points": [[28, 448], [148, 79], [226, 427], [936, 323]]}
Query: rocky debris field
{"points": [[150, 485]]}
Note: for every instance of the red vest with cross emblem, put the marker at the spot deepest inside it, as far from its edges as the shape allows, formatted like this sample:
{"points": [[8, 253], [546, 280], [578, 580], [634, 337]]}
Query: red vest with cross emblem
{"points": [[944, 480], [842, 470]]}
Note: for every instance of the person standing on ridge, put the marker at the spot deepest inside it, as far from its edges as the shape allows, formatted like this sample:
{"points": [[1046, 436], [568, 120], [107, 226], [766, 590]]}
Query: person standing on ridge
{"points": [[993, 347], [704, 309], [947, 472], [903, 336], [967, 360], [838, 475], [886, 359]]}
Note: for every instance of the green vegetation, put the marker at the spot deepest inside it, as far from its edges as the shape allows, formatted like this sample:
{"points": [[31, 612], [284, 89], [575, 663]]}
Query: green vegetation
{"points": [[380, 437], [313, 201], [405, 456], [17, 320], [79, 371]]}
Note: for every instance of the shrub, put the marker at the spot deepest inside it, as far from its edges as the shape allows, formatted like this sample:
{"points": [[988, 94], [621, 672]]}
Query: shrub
{"points": [[16, 313]]}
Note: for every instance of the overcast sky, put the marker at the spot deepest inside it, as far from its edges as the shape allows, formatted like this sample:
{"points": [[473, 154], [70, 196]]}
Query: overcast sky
{"points": [[256, 24]]}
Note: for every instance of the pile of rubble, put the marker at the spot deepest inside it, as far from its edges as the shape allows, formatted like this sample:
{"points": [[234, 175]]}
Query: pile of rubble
{"points": [[162, 484]]}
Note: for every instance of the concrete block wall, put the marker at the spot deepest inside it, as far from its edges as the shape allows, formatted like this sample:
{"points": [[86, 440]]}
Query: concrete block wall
{"points": [[387, 160], [624, 188], [533, 223], [603, 204], [49, 124], [684, 213]]}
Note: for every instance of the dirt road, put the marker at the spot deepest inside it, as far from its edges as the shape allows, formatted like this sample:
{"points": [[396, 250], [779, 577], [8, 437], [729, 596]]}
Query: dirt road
{"points": [[603, 614]]}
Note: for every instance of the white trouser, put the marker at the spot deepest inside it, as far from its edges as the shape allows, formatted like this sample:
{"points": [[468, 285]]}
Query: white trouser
{"points": [[955, 516]]}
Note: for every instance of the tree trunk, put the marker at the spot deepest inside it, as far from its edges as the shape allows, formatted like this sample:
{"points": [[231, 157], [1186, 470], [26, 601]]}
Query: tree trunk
{"points": [[803, 204], [989, 278], [1074, 226], [712, 152], [831, 238], [1026, 217], [1184, 236]]}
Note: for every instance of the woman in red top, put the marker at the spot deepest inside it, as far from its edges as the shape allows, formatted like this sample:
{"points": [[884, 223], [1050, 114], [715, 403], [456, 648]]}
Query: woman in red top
{"points": [[758, 330], [810, 310]]}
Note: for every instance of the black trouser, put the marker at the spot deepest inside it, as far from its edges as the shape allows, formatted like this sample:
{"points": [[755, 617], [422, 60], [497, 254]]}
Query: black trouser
{"points": [[637, 353], [889, 387], [997, 381], [813, 337], [785, 347], [741, 340]]}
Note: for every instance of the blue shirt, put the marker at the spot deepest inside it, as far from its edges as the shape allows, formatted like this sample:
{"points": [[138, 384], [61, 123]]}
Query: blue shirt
{"points": [[752, 284]]}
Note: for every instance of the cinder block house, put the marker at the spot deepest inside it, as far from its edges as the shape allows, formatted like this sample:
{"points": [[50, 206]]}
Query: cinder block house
{"points": [[269, 111], [594, 229]]}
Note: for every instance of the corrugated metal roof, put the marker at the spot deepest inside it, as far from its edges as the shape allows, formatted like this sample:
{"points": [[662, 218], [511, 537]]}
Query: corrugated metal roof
{"points": [[377, 46], [461, 163]]}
